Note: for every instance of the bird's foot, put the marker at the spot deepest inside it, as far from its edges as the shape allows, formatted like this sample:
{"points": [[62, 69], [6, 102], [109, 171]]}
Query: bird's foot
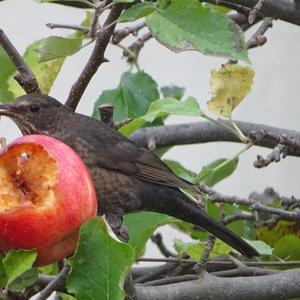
{"points": [[115, 222]]}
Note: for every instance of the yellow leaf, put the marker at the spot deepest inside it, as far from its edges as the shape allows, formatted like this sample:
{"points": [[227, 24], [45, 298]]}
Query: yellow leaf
{"points": [[271, 235], [229, 86]]}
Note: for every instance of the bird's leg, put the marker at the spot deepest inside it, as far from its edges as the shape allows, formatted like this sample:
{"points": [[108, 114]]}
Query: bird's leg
{"points": [[115, 222]]}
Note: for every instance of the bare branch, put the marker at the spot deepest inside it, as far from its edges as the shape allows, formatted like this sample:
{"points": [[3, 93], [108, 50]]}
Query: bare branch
{"points": [[280, 151], [258, 38], [25, 78], [281, 285], [209, 245], [286, 10], [172, 279], [120, 34], [159, 272], [238, 216], [83, 29], [96, 59], [255, 10], [215, 196], [157, 239], [54, 284], [139, 44], [203, 132], [293, 264]]}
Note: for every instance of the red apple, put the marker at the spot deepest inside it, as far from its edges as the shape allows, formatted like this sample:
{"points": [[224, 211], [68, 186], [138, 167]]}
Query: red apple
{"points": [[46, 193]]}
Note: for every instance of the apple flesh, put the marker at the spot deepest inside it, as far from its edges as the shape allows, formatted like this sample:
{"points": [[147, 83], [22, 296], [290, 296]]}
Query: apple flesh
{"points": [[46, 193]]}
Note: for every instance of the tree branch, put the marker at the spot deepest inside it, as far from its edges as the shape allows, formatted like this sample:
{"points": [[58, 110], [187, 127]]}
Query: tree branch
{"points": [[286, 10], [258, 38], [54, 284], [278, 286], [26, 78], [82, 29], [253, 204], [204, 132], [96, 59]]}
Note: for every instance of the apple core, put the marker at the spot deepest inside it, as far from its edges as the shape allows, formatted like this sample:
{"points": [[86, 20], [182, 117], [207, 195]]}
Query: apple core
{"points": [[27, 176]]}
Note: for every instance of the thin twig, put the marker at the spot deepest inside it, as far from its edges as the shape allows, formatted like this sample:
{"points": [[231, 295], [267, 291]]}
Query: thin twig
{"points": [[209, 245], [157, 239], [280, 151], [159, 272], [120, 34], [237, 217], [255, 10], [54, 284], [224, 263], [25, 78], [94, 24], [215, 196], [96, 59], [258, 38], [172, 279], [82, 29], [138, 45]]}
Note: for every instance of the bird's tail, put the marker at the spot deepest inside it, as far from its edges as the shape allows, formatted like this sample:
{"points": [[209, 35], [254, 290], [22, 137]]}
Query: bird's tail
{"points": [[179, 206]]}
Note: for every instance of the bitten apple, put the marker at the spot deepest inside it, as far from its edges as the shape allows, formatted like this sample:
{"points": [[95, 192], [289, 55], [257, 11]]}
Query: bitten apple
{"points": [[46, 193]]}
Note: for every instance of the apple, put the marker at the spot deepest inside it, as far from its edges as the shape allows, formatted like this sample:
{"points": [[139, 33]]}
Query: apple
{"points": [[46, 193]]}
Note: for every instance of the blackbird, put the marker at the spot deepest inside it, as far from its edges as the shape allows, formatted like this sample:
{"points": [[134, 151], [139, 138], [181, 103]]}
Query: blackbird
{"points": [[127, 177]]}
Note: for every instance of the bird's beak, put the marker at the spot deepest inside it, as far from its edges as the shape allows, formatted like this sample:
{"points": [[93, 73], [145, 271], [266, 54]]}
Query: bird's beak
{"points": [[6, 110]]}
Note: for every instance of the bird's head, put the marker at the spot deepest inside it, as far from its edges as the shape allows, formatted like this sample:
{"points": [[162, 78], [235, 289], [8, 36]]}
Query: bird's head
{"points": [[33, 113]]}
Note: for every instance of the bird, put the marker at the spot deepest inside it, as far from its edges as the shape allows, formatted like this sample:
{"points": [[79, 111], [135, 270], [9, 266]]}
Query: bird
{"points": [[127, 177]]}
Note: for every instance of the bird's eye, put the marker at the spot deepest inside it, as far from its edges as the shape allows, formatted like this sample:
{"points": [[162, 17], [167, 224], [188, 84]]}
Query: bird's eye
{"points": [[34, 108]]}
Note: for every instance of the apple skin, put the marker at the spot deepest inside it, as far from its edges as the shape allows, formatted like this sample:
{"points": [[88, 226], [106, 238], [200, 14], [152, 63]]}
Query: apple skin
{"points": [[53, 229]]}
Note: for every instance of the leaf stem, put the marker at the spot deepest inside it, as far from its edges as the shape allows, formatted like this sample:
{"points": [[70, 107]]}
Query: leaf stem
{"points": [[220, 123], [240, 134]]}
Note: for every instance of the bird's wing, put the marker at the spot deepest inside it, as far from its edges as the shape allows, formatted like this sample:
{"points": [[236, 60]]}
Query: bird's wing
{"points": [[115, 152]]}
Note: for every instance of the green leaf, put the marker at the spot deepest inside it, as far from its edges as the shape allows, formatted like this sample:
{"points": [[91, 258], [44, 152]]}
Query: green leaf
{"points": [[218, 8], [190, 229], [188, 25], [180, 170], [172, 91], [216, 171], [161, 108], [288, 248], [7, 69], [45, 72], [261, 247], [25, 280], [55, 47], [131, 98], [182, 247], [63, 296], [195, 249], [17, 262], [141, 226], [137, 11], [100, 264], [49, 269]]}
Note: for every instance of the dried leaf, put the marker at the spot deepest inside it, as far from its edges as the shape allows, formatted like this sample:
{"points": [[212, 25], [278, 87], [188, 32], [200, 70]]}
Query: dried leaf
{"points": [[229, 86]]}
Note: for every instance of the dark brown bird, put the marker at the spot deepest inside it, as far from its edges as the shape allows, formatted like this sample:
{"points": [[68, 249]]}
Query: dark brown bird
{"points": [[127, 177]]}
